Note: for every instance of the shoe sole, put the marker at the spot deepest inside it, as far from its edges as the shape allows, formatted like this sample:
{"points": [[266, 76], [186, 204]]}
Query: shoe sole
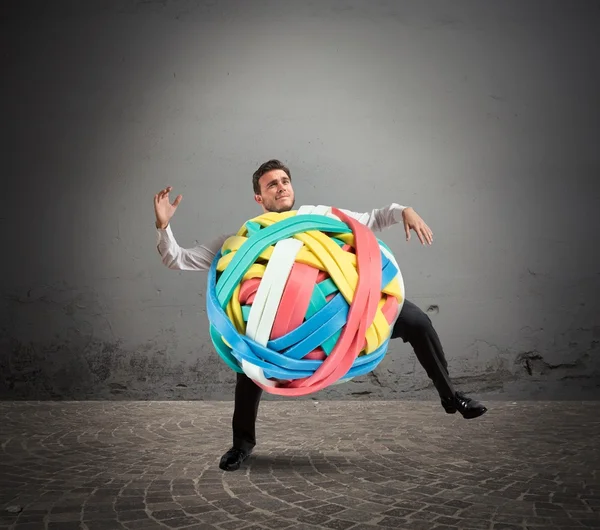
{"points": [[468, 416], [474, 414], [229, 468], [232, 467]]}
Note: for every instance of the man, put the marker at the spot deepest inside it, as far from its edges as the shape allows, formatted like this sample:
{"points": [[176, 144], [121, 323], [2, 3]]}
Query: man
{"points": [[273, 191]]}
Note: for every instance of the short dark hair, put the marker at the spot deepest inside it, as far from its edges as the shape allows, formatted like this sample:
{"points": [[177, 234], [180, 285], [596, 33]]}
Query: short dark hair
{"points": [[270, 165]]}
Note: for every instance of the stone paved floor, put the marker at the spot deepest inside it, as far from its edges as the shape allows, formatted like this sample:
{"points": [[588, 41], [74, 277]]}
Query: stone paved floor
{"points": [[337, 465]]}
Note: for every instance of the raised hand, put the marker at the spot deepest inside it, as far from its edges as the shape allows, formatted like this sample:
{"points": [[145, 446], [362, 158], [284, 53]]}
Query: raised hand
{"points": [[164, 209]]}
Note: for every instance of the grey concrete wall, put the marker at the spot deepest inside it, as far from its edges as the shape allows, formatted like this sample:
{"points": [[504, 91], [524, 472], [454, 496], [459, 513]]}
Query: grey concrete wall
{"points": [[482, 116]]}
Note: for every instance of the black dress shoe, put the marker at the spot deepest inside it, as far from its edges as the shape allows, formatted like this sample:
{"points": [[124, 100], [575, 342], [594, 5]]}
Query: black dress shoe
{"points": [[468, 407], [233, 459]]}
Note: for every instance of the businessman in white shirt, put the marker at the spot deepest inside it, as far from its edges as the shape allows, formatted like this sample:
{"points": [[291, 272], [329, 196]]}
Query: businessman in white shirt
{"points": [[273, 191]]}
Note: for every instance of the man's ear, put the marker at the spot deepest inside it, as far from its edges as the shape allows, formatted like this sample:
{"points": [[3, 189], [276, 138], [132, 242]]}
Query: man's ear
{"points": [[258, 198]]}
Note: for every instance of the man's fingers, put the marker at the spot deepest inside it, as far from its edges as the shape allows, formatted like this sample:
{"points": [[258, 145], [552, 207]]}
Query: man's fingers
{"points": [[177, 200], [423, 232], [164, 193], [429, 234], [426, 236]]}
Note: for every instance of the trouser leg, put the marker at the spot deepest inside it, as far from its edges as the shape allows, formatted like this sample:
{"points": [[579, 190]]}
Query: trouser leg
{"points": [[247, 399], [414, 326]]}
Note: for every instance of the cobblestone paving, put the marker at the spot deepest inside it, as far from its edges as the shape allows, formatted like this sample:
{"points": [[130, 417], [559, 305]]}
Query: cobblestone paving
{"points": [[336, 465]]}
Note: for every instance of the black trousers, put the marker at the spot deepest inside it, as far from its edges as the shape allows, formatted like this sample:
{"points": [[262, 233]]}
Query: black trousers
{"points": [[413, 326]]}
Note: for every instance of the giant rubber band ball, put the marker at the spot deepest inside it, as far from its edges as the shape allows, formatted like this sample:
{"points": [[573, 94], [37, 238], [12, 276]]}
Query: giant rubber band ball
{"points": [[302, 300]]}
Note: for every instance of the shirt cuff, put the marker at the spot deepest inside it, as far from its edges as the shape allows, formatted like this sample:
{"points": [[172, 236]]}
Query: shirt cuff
{"points": [[164, 234], [397, 210]]}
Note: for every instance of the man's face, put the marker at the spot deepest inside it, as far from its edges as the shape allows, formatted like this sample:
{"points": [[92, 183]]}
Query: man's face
{"points": [[276, 192]]}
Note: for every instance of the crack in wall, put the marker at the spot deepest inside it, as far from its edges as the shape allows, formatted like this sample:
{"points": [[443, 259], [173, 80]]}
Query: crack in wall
{"points": [[533, 362]]}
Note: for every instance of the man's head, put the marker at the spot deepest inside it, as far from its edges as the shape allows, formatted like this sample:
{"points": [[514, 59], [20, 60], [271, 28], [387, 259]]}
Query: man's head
{"points": [[272, 184]]}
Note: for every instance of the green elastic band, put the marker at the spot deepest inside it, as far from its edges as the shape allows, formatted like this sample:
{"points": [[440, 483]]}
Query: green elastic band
{"points": [[224, 351], [246, 312], [317, 302], [252, 227], [246, 255]]}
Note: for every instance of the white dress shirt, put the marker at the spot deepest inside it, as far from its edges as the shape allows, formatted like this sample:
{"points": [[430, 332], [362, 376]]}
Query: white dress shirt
{"points": [[200, 257]]}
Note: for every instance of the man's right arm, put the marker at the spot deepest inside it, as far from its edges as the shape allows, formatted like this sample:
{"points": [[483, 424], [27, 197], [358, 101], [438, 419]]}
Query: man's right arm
{"points": [[197, 258]]}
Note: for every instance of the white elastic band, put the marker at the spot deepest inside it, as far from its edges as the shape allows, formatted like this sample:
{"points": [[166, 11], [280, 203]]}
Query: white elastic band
{"points": [[267, 299]]}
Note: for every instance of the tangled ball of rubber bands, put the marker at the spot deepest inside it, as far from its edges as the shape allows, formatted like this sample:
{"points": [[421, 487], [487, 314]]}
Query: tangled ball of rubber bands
{"points": [[302, 300]]}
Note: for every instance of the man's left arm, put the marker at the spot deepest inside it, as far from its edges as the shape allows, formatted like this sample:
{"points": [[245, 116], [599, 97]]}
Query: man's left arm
{"points": [[380, 218]]}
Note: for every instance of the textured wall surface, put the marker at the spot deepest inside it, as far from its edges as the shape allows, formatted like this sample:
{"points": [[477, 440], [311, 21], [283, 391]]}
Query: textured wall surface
{"points": [[482, 116]]}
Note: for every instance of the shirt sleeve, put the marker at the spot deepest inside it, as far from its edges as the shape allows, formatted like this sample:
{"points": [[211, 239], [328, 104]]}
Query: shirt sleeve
{"points": [[379, 218], [197, 258]]}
